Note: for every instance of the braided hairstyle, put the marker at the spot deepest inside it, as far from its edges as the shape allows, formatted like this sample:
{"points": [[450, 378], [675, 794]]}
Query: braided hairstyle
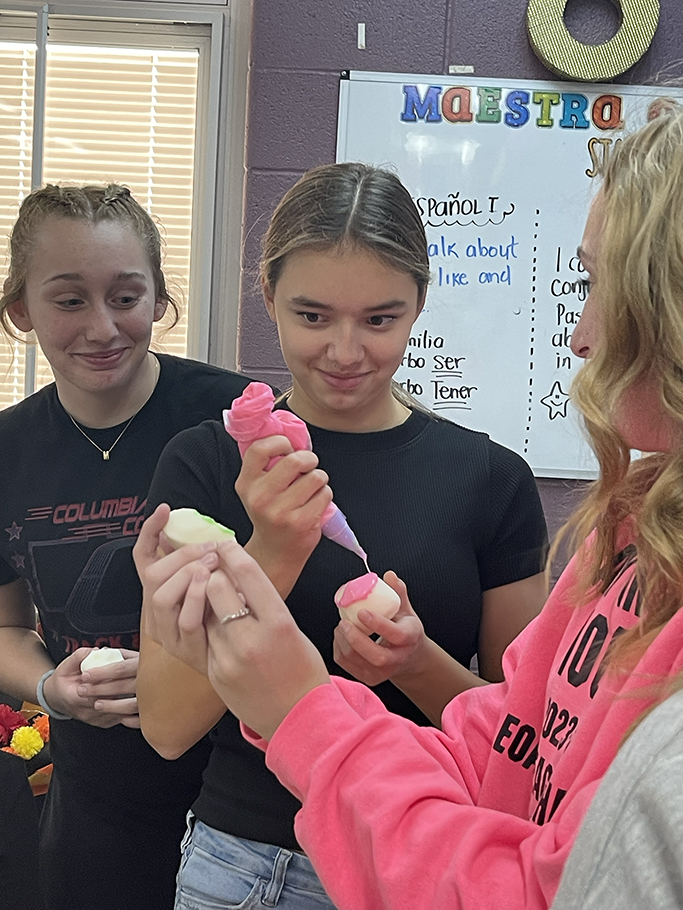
{"points": [[92, 203]]}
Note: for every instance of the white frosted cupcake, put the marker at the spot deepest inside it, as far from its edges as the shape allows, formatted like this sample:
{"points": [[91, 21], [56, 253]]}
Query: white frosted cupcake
{"points": [[186, 526], [367, 592], [100, 657]]}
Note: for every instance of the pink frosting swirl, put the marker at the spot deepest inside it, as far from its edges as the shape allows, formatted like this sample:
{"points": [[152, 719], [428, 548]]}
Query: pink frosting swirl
{"points": [[293, 428], [251, 417], [356, 589]]}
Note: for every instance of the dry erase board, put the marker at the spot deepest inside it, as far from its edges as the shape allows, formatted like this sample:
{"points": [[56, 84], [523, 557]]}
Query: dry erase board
{"points": [[502, 172]]}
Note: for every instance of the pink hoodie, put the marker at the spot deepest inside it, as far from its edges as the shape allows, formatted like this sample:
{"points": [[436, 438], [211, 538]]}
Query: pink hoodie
{"points": [[482, 815]]}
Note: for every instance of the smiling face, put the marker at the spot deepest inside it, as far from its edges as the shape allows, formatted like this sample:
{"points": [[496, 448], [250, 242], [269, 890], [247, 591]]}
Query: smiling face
{"points": [[639, 415], [344, 319], [90, 299]]}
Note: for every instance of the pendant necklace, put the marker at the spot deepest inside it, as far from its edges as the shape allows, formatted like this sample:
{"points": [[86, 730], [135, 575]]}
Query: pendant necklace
{"points": [[105, 452]]}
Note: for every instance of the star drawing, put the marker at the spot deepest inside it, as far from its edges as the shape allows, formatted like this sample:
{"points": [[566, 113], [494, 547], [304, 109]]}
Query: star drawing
{"points": [[556, 402], [19, 561], [14, 531]]}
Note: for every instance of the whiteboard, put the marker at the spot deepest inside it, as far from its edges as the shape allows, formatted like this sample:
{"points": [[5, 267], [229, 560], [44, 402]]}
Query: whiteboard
{"points": [[501, 171]]}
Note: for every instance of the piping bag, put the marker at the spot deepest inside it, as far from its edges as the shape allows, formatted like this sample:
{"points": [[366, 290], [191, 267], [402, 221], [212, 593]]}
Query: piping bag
{"points": [[251, 417]]}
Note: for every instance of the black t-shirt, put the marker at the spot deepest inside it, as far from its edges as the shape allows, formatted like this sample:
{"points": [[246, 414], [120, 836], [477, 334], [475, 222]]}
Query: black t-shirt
{"points": [[18, 837], [451, 512], [68, 523]]}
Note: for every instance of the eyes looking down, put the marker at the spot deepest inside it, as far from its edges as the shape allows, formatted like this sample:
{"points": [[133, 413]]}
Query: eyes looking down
{"points": [[128, 288], [344, 318], [90, 298]]}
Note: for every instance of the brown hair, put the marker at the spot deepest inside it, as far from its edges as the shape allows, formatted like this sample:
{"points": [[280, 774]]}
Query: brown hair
{"points": [[88, 203], [349, 205]]}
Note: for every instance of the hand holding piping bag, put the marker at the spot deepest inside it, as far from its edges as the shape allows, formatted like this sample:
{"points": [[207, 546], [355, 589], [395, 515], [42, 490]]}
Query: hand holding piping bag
{"points": [[251, 417]]}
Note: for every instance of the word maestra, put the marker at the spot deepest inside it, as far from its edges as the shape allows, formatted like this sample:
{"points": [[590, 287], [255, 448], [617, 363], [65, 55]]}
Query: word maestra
{"points": [[460, 104]]}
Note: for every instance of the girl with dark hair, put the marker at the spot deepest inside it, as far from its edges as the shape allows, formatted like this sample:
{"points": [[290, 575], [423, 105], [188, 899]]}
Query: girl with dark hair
{"points": [[344, 275]]}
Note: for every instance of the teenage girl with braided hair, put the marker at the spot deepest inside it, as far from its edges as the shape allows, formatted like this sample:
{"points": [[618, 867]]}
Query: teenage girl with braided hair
{"points": [[76, 460]]}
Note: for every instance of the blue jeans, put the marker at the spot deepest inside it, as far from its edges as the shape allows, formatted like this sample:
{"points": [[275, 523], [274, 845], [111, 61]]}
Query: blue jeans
{"points": [[222, 872]]}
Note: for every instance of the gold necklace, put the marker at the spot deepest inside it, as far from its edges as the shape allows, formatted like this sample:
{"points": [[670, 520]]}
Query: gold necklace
{"points": [[106, 452]]}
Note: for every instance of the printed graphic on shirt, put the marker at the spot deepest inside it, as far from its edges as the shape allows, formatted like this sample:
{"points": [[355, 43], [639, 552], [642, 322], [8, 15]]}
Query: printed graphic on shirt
{"points": [[580, 667], [75, 517], [66, 553]]}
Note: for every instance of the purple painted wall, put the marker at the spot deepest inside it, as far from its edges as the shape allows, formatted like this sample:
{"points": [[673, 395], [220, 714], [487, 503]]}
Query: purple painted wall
{"points": [[299, 48]]}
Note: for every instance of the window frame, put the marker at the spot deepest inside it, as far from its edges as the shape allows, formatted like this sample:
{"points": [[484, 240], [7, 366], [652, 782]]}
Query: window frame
{"points": [[214, 281]]}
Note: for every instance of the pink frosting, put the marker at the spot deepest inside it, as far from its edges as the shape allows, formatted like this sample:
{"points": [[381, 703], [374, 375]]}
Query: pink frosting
{"points": [[251, 417], [356, 589]]}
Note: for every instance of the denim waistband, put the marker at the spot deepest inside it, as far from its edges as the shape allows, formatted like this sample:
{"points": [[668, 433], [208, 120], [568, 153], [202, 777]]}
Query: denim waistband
{"points": [[266, 861]]}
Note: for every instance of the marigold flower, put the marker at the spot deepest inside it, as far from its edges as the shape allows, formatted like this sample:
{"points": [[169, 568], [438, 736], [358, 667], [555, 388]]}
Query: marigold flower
{"points": [[41, 723], [27, 742]]}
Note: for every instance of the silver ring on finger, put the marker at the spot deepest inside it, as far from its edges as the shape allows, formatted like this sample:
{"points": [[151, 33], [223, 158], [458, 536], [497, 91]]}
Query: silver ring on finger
{"points": [[245, 611]]}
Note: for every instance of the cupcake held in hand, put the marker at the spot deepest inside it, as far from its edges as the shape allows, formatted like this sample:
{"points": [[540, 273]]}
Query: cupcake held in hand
{"points": [[367, 592]]}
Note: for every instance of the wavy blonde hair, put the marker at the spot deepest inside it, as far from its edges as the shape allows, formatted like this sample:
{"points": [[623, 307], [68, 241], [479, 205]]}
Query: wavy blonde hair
{"points": [[640, 278]]}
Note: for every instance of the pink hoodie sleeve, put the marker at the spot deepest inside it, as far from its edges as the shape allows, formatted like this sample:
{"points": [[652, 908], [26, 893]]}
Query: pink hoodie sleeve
{"points": [[390, 817]]}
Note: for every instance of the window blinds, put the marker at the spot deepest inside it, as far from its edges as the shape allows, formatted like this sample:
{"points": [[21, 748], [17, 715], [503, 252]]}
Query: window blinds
{"points": [[120, 114]]}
